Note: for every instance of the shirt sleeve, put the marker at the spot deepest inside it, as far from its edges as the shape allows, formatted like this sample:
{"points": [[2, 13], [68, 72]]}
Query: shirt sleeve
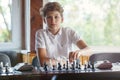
{"points": [[39, 40]]}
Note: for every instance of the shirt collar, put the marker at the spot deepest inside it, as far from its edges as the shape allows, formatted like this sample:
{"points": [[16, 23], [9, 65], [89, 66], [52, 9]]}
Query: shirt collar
{"points": [[59, 33]]}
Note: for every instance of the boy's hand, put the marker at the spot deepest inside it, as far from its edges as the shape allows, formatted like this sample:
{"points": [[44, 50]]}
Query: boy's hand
{"points": [[74, 55]]}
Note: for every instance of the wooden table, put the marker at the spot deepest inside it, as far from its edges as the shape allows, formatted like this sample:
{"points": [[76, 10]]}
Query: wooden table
{"points": [[113, 74]]}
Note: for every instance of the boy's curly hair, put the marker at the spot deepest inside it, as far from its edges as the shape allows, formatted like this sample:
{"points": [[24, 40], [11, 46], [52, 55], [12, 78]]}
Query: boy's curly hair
{"points": [[51, 6]]}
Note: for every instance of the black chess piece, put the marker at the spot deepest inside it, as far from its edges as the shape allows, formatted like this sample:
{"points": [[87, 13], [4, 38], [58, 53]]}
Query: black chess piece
{"points": [[85, 67], [63, 66], [79, 66], [1, 70], [93, 67], [73, 65], [77, 63], [73, 68], [66, 65], [88, 66], [53, 67], [59, 66], [7, 68], [45, 67]]}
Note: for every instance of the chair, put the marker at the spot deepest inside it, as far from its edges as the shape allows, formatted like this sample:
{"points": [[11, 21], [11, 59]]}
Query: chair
{"points": [[35, 62], [112, 57], [5, 59], [15, 57]]}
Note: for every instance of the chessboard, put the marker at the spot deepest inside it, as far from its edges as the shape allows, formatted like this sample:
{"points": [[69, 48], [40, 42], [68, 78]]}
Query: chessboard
{"points": [[75, 66]]}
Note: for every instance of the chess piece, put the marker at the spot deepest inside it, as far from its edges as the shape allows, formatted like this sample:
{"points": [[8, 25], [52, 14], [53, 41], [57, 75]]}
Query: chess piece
{"points": [[79, 66], [77, 63], [88, 66], [6, 68], [85, 67], [45, 67], [1, 67], [59, 66], [73, 68], [66, 65], [73, 65], [63, 66], [53, 67], [93, 68]]}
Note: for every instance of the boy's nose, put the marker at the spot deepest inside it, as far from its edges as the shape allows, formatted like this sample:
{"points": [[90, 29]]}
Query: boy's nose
{"points": [[52, 21]]}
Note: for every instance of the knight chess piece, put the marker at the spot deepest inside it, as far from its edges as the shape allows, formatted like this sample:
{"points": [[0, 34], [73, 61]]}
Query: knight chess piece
{"points": [[59, 66]]}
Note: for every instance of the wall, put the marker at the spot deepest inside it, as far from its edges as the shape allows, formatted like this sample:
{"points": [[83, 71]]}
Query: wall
{"points": [[36, 21]]}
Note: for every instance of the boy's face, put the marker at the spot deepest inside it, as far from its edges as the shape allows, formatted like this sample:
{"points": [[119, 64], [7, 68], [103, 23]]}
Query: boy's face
{"points": [[53, 19]]}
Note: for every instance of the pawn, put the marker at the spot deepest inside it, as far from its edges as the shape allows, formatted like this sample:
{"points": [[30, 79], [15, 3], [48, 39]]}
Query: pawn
{"points": [[53, 67], [63, 66], [7, 68], [77, 63], [79, 66], [73, 67], [85, 67], [93, 68], [88, 65]]}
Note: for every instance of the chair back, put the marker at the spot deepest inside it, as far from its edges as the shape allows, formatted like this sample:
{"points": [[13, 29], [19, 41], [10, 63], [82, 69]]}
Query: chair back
{"points": [[112, 57], [5, 59]]}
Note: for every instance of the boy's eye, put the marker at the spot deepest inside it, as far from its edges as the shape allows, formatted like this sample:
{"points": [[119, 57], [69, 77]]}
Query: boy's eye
{"points": [[56, 17]]}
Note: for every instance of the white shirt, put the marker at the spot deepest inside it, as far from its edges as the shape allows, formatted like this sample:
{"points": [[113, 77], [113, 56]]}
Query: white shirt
{"points": [[56, 45]]}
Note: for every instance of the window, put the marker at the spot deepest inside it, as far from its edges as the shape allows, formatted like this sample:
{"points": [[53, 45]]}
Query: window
{"points": [[5, 19], [97, 21], [10, 23]]}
